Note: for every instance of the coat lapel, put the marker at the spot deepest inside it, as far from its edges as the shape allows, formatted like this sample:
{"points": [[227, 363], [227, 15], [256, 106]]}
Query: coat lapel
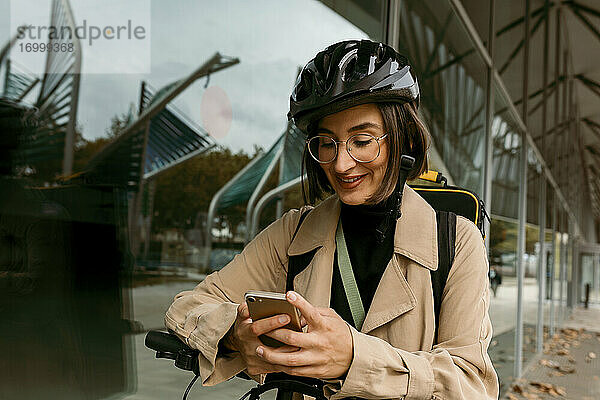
{"points": [[415, 238], [317, 232], [392, 298], [314, 282]]}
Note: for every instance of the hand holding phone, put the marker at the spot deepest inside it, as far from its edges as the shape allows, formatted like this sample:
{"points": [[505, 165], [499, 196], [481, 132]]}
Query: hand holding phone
{"points": [[267, 304]]}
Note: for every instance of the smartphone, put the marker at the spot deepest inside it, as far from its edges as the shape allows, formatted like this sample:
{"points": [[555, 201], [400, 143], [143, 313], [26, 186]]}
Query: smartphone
{"points": [[267, 304]]}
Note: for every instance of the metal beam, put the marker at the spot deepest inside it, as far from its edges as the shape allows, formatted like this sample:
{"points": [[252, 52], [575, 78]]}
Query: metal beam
{"points": [[589, 83], [541, 102], [393, 25], [551, 179], [259, 187], [471, 31], [593, 125], [520, 20], [267, 197], [439, 37], [67, 166], [584, 8], [179, 161], [584, 20], [518, 366], [543, 185], [10, 43], [532, 96], [134, 228], [450, 63], [520, 45], [213, 207], [564, 175]]}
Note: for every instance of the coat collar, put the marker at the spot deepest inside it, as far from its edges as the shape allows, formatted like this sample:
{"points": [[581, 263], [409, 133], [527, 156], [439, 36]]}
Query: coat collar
{"points": [[415, 236]]}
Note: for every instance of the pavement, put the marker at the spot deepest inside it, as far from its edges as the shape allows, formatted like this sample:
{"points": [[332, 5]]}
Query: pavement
{"points": [[159, 379], [569, 367]]}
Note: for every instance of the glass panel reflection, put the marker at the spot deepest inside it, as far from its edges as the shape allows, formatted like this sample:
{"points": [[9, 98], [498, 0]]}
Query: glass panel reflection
{"points": [[452, 82], [90, 262], [506, 141]]}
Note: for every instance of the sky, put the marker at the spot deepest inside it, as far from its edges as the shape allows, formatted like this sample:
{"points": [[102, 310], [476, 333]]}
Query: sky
{"points": [[272, 38]]}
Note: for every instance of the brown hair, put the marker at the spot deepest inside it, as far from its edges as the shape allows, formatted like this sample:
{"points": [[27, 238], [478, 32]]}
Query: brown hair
{"points": [[407, 135]]}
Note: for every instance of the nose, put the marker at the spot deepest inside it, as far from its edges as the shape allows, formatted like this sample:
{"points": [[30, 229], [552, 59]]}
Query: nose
{"points": [[343, 161]]}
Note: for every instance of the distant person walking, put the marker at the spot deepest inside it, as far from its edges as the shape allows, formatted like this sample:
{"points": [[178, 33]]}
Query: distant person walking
{"points": [[495, 279]]}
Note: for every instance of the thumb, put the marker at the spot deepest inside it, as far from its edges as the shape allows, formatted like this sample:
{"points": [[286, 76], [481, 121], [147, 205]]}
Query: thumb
{"points": [[310, 313], [242, 311]]}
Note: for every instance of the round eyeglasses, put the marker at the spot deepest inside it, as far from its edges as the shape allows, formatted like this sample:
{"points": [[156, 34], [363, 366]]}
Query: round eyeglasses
{"points": [[362, 147]]}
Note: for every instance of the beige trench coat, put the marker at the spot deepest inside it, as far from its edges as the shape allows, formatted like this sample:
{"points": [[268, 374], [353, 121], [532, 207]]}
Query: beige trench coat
{"points": [[394, 356]]}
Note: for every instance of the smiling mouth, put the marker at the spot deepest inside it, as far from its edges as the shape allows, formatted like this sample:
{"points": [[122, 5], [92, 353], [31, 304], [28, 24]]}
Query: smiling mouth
{"points": [[352, 179]]}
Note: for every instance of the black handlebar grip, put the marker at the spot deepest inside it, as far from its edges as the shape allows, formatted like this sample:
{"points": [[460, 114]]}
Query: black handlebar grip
{"points": [[164, 342]]}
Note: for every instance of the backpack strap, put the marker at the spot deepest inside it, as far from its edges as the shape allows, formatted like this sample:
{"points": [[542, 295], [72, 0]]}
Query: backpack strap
{"points": [[297, 263], [446, 230]]}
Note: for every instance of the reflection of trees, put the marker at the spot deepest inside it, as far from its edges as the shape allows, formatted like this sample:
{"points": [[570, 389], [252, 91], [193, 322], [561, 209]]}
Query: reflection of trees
{"points": [[86, 149], [183, 192], [187, 189]]}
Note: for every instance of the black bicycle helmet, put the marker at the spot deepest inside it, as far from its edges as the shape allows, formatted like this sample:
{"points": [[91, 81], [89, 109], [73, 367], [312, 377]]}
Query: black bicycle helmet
{"points": [[350, 73]]}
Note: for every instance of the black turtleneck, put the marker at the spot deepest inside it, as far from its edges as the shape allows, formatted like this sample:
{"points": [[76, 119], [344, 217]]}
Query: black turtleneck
{"points": [[368, 256]]}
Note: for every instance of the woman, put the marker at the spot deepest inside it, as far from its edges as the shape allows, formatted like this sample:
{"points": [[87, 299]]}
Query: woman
{"points": [[357, 101]]}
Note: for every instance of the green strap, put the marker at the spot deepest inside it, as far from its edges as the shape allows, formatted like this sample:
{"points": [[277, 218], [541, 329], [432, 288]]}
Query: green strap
{"points": [[356, 305]]}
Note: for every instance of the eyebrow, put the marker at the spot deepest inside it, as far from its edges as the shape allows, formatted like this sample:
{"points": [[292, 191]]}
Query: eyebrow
{"points": [[359, 127]]}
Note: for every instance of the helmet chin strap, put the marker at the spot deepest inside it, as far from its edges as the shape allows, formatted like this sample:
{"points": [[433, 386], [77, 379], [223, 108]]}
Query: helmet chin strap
{"points": [[406, 164]]}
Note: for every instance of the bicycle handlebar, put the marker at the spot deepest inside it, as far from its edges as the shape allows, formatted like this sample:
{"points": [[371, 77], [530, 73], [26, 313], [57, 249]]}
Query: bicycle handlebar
{"points": [[167, 345]]}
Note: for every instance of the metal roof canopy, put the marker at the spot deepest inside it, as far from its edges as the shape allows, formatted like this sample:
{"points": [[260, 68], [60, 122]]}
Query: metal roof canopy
{"points": [[580, 42], [159, 138], [173, 138], [249, 182], [57, 98]]}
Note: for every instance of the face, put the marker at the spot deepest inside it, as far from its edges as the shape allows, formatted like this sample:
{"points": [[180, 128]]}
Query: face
{"points": [[354, 182]]}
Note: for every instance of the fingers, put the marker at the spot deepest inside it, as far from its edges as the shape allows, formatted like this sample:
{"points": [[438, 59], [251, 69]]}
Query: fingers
{"points": [[242, 311], [286, 358], [266, 325], [311, 314], [287, 349], [293, 338]]}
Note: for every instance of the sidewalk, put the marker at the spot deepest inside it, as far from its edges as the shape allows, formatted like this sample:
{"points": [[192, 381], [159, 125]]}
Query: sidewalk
{"points": [[160, 379], [569, 367]]}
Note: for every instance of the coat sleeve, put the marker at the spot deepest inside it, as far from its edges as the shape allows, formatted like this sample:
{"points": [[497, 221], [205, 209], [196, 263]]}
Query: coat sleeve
{"points": [[201, 317], [458, 367]]}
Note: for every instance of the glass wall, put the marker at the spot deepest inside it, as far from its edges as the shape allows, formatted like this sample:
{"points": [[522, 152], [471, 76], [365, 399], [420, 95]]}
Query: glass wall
{"points": [[121, 286], [532, 255], [503, 237], [240, 112], [589, 278], [452, 81]]}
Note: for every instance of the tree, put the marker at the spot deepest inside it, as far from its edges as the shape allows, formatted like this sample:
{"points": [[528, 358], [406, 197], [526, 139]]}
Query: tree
{"points": [[119, 122], [186, 189], [85, 149]]}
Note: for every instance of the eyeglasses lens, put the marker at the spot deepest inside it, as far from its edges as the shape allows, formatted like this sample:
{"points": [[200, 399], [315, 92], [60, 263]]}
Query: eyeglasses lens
{"points": [[363, 147]]}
